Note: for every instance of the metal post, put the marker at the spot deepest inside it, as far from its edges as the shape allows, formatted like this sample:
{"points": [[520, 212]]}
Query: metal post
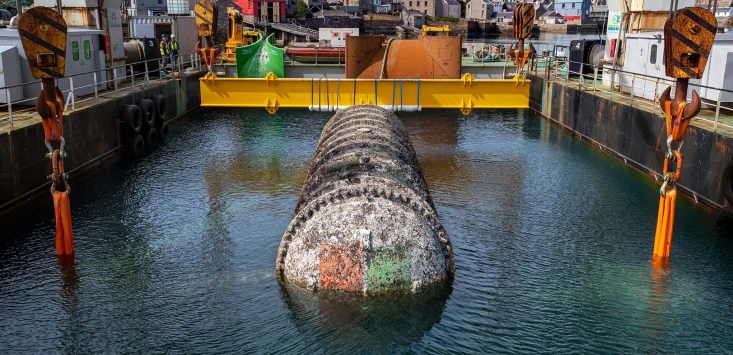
{"points": [[633, 79], [162, 69], [595, 77], [717, 115], [114, 78], [10, 108], [147, 77], [132, 76], [656, 89], [73, 96], [96, 97]]}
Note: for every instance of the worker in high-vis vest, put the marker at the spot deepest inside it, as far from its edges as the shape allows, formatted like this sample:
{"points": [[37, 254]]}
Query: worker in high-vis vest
{"points": [[173, 49], [164, 52]]}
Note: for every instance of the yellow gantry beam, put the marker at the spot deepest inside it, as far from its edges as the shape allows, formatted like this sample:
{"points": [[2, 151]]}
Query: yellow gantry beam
{"points": [[272, 93]]}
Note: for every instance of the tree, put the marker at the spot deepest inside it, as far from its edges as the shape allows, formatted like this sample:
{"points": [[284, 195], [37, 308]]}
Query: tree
{"points": [[302, 9]]}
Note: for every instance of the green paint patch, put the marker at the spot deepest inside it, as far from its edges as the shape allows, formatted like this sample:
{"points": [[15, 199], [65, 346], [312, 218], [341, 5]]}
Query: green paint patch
{"points": [[389, 268]]}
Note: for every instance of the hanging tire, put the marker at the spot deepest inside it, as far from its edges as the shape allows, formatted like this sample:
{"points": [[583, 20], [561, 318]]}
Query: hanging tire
{"points": [[151, 138], [132, 119], [727, 183], [148, 112], [161, 107], [135, 146], [724, 220], [163, 132]]}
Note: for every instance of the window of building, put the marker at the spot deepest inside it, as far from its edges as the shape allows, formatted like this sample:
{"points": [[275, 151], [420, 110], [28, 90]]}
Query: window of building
{"points": [[335, 19], [426, 3], [653, 54], [563, 6], [160, 1], [410, 3], [573, 5]]}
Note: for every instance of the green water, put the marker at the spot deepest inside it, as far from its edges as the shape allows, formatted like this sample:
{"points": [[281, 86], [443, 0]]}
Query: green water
{"points": [[176, 252]]}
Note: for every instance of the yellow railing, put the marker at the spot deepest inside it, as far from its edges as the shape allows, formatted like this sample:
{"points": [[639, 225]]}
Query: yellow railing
{"points": [[272, 93]]}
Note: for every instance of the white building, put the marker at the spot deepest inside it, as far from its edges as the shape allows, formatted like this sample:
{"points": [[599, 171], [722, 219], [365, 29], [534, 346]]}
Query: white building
{"points": [[451, 8], [479, 9]]}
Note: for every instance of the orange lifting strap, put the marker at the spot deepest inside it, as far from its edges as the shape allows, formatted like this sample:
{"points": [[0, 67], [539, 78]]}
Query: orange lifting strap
{"points": [[208, 57], [50, 107], [524, 56], [51, 110], [61, 206], [677, 126], [676, 130], [62, 211]]}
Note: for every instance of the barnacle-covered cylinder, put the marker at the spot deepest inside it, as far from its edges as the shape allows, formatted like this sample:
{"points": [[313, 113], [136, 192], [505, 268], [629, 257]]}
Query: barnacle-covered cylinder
{"points": [[365, 221]]}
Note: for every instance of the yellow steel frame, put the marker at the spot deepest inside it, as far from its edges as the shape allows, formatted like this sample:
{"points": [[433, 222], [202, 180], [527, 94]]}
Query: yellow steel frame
{"points": [[272, 93]]}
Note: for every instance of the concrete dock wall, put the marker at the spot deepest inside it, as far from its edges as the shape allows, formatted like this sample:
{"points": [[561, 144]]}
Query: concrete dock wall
{"points": [[90, 132], [637, 136]]}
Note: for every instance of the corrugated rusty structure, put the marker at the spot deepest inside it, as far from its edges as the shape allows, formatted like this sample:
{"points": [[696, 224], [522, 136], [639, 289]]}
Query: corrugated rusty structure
{"points": [[365, 221], [427, 57]]}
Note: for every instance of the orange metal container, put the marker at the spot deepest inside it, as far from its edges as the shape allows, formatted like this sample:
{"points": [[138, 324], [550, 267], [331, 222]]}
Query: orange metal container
{"points": [[428, 57]]}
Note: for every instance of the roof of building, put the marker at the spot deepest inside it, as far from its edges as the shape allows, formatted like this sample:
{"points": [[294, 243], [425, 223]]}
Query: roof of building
{"points": [[333, 13], [452, 2], [551, 14], [413, 12]]}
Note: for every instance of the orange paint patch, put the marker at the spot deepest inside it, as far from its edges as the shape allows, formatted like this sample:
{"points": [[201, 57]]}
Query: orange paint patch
{"points": [[342, 267]]}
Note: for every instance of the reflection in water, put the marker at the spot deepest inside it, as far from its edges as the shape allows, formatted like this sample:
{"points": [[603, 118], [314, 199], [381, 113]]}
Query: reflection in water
{"points": [[552, 241], [658, 308], [70, 283], [341, 322]]}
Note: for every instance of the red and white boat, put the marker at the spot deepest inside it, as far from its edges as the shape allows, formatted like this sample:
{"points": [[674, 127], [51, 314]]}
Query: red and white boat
{"points": [[313, 53]]}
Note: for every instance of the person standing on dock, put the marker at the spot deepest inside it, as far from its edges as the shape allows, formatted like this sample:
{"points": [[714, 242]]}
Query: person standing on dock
{"points": [[173, 48], [164, 53]]}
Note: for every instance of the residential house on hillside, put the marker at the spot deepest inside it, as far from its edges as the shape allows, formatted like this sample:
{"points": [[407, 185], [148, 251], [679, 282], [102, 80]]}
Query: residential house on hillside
{"points": [[334, 18], [383, 6], [451, 8], [724, 12], [412, 18], [573, 9], [146, 7], [552, 17], [427, 7], [264, 10], [479, 9], [505, 17]]}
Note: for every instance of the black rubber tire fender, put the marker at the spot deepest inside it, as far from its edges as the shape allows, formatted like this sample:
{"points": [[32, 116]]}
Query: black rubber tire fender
{"points": [[161, 107], [151, 138], [727, 183], [148, 112], [163, 131], [724, 220], [132, 119], [136, 146]]}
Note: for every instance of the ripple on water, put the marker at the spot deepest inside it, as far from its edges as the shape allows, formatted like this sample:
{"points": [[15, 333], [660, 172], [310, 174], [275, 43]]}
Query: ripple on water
{"points": [[175, 252]]}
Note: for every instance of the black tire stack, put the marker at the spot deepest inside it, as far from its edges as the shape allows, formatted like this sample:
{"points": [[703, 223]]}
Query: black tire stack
{"points": [[143, 126], [724, 219]]}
